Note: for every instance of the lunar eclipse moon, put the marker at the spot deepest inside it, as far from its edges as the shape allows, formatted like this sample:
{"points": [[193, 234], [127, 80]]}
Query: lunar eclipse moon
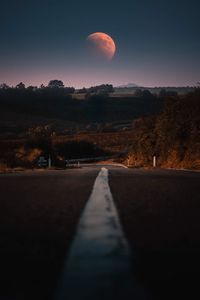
{"points": [[101, 45]]}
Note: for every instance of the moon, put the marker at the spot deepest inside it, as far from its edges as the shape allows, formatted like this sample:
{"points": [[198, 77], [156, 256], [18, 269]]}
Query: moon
{"points": [[102, 45]]}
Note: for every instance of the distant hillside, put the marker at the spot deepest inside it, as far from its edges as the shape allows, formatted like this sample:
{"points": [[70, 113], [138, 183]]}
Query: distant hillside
{"points": [[24, 108], [154, 90], [129, 85], [134, 129]]}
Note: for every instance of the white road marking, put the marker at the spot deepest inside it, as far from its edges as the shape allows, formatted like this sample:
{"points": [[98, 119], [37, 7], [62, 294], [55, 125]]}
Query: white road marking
{"points": [[99, 262]]}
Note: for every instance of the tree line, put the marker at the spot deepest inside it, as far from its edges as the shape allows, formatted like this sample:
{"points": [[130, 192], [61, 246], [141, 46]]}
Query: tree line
{"points": [[58, 84]]}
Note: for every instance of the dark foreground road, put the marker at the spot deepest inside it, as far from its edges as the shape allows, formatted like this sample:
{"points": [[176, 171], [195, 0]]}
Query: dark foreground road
{"points": [[160, 215], [38, 215]]}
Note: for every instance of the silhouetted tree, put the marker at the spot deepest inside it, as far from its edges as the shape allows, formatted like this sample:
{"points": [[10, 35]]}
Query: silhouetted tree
{"points": [[147, 94], [20, 86], [31, 88], [69, 90], [138, 93], [4, 86], [56, 84], [83, 90], [100, 89]]}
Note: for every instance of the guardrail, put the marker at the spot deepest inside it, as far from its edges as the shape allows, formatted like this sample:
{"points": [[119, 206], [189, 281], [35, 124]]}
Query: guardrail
{"points": [[88, 159]]}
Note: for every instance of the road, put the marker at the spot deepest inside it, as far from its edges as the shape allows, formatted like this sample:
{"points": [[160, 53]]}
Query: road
{"points": [[159, 212]]}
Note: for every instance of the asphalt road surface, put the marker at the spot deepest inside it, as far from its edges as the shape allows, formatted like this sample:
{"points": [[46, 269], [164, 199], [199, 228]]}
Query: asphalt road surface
{"points": [[159, 212]]}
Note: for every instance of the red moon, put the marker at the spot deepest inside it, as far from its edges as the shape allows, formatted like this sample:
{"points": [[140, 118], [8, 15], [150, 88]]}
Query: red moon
{"points": [[102, 44]]}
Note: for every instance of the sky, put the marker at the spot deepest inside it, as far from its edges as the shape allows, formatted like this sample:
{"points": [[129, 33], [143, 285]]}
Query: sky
{"points": [[157, 42]]}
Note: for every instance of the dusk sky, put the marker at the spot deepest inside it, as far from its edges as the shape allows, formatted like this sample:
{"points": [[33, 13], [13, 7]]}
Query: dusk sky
{"points": [[157, 42]]}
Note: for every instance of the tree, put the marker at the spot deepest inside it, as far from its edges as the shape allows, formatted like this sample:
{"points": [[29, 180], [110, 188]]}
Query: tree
{"points": [[83, 91], [20, 86], [32, 88], [163, 93], [147, 94], [69, 90], [103, 88], [4, 86], [138, 93], [56, 84]]}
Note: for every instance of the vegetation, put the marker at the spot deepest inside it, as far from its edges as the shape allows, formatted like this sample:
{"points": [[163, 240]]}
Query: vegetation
{"points": [[173, 135], [56, 102], [25, 153], [137, 127]]}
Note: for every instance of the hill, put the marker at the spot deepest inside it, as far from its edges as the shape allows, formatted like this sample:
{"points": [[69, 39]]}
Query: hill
{"points": [[24, 109], [173, 136], [134, 128]]}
